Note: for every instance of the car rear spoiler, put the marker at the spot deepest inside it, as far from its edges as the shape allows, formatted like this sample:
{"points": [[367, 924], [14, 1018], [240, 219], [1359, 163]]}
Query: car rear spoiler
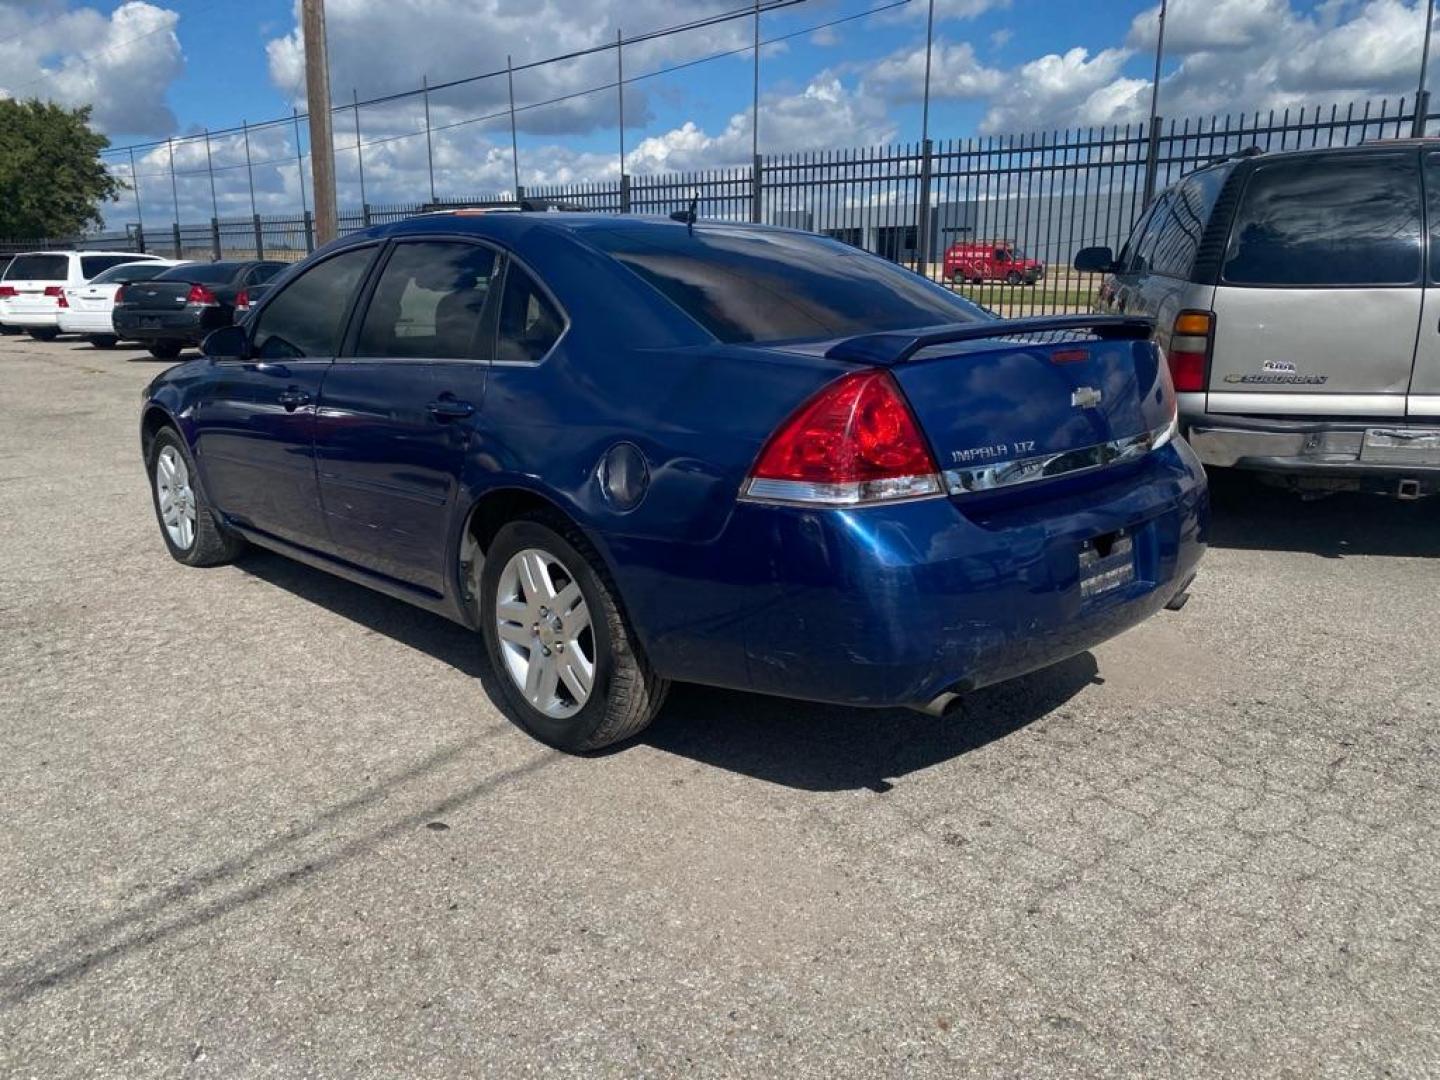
{"points": [[897, 346]]}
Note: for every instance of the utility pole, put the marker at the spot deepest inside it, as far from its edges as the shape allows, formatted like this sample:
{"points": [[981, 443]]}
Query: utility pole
{"points": [[1159, 52], [755, 99], [929, 45], [1422, 96], [1152, 144], [514, 143], [620, 90], [322, 141]]}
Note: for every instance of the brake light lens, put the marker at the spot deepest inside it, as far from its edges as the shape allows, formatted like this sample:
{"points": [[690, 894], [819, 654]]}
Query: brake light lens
{"points": [[855, 442], [242, 300], [120, 294], [202, 296], [7, 292], [60, 300], [1189, 352]]}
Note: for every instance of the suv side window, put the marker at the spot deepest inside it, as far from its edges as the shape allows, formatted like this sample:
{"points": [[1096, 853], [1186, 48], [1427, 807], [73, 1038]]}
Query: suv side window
{"points": [[429, 302], [1348, 220], [307, 316], [1126, 259], [1432, 199], [1179, 234], [529, 323]]}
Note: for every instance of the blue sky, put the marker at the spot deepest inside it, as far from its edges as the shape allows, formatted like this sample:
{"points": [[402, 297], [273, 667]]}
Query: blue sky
{"points": [[159, 68]]}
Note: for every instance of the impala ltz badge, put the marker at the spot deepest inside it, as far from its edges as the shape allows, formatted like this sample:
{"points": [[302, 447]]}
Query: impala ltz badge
{"points": [[1085, 397]]}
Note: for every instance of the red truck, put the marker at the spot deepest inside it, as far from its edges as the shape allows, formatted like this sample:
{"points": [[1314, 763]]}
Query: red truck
{"points": [[990, 260]]}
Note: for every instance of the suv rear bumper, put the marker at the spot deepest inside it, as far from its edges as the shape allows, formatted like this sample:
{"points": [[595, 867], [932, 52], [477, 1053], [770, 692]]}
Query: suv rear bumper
{"points": [[1315, 449]]}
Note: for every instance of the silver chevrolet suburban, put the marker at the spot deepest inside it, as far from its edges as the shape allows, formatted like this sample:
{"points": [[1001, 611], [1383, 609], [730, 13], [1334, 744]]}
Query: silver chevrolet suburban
{"points": [[1297, 298]]}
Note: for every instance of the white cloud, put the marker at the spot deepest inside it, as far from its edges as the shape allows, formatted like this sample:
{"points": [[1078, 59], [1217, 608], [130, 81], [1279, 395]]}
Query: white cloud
{"points": [[121, 64], [945, 10], [1203, 25], [1063, 90], [955, 73]]}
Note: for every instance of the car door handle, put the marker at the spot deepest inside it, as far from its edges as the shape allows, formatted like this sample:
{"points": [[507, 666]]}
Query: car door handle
{"points": [[447, 408], [293, 398]]}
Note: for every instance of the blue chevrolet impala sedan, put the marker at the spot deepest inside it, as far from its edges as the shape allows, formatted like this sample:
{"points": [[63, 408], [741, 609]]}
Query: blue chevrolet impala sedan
{"points": [[629, 451]]}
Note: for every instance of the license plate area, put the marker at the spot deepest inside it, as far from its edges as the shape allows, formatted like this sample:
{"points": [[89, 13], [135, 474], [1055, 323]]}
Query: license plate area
{"points": [[150, 322], [1107, 564], [1401, 446]]}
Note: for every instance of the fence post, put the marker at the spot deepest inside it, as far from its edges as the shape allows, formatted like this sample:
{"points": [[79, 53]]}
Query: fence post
{"points": [[309, 236], [1152, 160], [1422, 108], [755, 189], [519, 193], [215, 237], [140, 238], [175, 234], [922, 213], [624, 193], [365, 214], [259, 237]]}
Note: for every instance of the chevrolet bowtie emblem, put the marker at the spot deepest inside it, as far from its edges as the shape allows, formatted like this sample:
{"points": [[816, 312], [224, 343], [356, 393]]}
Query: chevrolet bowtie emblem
{"points": [[1085, 397]]}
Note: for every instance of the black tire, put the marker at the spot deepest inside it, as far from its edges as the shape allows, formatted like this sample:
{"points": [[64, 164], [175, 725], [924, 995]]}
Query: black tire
{"points": [[1013, 278], [213, 545], [957, 278], [165, 350], [9, 331], [626, 693], [104, 341], [44, 333]]}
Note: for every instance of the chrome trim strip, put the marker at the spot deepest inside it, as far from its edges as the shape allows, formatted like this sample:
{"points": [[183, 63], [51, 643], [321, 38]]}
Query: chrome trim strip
{"points": [[1063, 463], [848, 495]]}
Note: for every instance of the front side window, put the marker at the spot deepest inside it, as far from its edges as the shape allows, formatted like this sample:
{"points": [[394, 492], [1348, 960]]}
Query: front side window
{"points": [[1345, 221], [428, 302], [529, 323], [753, 285], [307, 317]]}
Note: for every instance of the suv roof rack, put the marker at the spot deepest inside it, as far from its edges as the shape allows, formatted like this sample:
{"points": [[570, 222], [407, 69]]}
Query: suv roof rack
{"points": [[1245, 152], [528, 206]]}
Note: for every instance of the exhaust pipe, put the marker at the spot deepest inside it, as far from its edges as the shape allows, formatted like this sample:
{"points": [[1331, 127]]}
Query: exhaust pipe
{"points": [[940, 704]]}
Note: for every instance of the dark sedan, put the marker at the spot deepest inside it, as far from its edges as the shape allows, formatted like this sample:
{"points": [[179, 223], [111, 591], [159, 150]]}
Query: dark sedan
{"points": [[629, 451], [182, 305]]}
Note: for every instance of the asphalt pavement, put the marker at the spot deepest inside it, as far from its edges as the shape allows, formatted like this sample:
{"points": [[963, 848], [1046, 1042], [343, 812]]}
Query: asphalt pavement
{"points": [[259, 822]]}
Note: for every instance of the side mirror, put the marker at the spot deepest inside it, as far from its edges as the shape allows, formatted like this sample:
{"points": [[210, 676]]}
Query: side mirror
{"points": [[1095, 260], [226, 343]]}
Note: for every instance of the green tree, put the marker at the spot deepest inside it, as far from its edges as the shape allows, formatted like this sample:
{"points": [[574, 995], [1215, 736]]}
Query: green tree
{"points": [[51, 180]]}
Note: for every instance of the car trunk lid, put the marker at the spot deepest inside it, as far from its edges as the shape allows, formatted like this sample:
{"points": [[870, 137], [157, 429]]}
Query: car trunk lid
{"points": [[156, 296]]}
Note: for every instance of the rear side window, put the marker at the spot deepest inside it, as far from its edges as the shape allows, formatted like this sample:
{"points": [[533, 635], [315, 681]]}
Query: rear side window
{"points": [[772, 286], [1345, 221], [307, 316], [428, 302], [39, 268], [529, 323], [128, 272], [1179, 231], [90, 265]]}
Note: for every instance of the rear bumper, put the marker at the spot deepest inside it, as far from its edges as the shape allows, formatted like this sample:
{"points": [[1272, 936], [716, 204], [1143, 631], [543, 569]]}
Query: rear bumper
{"points": [[894, 605], [73, 321], [189, 325], [29, 320], [1316, 449]]}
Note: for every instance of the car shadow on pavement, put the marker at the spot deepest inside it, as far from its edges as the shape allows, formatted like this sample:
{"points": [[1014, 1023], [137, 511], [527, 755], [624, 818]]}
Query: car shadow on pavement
{"points": [[1251, 515], [798, 744], [833, 748]]}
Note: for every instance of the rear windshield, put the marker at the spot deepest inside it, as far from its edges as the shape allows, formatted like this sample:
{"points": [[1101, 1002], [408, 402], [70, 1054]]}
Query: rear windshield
{"points": [[90, 265], [203, 273], [39, 268], [775, 286], [129, 272]]}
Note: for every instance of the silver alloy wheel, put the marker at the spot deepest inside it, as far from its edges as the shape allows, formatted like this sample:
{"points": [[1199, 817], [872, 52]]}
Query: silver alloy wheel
{"points": [[177, 499], [546, 639]]}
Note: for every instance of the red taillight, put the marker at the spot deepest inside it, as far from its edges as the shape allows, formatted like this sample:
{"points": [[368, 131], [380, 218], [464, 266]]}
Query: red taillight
{"points": [[7, 291], [199, 294], [54, 290], [1189, 351], [855, 441], [120, 294], [242, 301], [60, 300]]}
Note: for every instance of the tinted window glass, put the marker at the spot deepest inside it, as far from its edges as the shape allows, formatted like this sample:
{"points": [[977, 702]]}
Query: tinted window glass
{"points": [[1432, 193], [263, 272], [90, 265], [39, 268], [1179, 232], [1126, 258], [306, 317], [771, 286], [220, 273], [428, 302], [529, 322], [128, 272], [1347, 221]]}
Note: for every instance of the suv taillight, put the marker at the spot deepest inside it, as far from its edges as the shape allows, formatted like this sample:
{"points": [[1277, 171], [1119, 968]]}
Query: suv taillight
{"points": [[202, 296], [855, 442], [1189, 351]]}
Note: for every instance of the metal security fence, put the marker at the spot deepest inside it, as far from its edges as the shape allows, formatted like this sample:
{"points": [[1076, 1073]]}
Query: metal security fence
{"points": [[1044, 195]]}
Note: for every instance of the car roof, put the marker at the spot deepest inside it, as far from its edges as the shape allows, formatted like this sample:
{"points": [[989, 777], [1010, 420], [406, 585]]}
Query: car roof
{"points": [[512, 224]]}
